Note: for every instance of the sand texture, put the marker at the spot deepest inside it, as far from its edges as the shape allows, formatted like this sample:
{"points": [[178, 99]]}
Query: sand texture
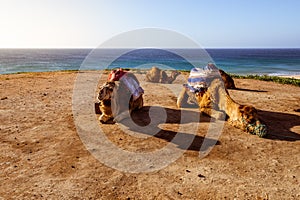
{"points": [[43, 157]]}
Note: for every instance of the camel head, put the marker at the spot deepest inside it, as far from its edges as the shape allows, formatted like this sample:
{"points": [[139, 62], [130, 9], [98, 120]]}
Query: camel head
{"points": [[106, 91], [172, 77], [250, 121], [174, 74], [249, 113]]}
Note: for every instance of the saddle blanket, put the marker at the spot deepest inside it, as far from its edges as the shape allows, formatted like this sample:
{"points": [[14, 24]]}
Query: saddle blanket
{"points": [[132, 85], [199, 78], [135, 89]]}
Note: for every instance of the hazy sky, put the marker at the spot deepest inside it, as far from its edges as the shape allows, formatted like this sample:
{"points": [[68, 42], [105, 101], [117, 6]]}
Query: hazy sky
{"points": [[88, 23]]}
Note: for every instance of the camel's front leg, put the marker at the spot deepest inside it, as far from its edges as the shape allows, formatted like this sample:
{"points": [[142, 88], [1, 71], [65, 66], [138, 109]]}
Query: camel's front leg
{"points": [[148, 78], [182, 98], [105, 118], [209, 108]]}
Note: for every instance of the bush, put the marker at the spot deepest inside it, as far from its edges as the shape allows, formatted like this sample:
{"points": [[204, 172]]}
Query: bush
{"points": [[282, 80]]}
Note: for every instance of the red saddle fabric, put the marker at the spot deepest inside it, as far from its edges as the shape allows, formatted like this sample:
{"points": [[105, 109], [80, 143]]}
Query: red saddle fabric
{"points": [[116, 74]]}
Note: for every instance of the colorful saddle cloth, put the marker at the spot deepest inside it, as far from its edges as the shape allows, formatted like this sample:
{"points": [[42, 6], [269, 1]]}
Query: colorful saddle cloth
{"points": [[199, 78], [135, 89], [132, 85]]}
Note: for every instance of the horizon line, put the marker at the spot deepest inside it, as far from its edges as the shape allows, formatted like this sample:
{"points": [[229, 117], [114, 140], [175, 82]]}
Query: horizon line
{"points": [[87, 47]]}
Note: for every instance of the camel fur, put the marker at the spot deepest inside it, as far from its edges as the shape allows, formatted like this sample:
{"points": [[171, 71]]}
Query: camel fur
{"points": [[216, 102]]}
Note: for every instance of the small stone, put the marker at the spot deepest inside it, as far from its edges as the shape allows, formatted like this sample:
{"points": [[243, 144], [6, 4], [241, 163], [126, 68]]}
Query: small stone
{"points": [[201, 176]]}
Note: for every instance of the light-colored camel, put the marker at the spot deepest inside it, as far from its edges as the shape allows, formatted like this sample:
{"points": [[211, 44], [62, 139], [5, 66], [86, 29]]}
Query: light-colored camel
{"points": [[157, 75]]}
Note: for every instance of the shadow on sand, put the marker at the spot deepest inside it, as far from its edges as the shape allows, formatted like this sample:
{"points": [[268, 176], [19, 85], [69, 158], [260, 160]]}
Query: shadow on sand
{"points": [[187, 142], [248, 90], [280, 125]]}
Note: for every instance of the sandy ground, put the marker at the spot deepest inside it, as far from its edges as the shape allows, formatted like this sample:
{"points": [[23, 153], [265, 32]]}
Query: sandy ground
{"points": [[43, 157]]}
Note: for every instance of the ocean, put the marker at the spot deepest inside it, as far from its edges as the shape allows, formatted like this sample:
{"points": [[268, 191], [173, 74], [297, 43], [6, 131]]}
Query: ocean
{"points": [[274, 62]]}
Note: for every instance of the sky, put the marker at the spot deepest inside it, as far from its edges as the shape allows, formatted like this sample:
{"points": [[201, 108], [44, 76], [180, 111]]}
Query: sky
{"points": [[210, 23]]}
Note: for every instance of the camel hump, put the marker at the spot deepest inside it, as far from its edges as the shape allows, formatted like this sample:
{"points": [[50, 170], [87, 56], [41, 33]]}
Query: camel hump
{"points": [[228, 81]]}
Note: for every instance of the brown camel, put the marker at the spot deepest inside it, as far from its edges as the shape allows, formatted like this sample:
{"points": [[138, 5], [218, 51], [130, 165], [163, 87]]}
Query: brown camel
{"points": [[117, 100], [216, 98]]}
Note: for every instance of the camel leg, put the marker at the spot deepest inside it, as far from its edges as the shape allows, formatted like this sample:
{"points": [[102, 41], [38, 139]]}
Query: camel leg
{"points": [[182, 98], [148, 78], [136, 104], [140, 102], [205, 104], [208, 108], [104, 118]]}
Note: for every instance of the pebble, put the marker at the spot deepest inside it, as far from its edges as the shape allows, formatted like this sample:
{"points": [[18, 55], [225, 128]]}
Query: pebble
{"points": [[201, 176]]}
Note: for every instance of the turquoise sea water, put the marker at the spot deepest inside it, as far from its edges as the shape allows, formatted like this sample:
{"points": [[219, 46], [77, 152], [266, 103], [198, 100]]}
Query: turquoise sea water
{"points": [[238, 61]]}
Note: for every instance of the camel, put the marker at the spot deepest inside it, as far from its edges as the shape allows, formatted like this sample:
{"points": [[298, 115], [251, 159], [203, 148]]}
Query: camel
{"points": [[119, 96], [157, 75], [216, 102]]}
